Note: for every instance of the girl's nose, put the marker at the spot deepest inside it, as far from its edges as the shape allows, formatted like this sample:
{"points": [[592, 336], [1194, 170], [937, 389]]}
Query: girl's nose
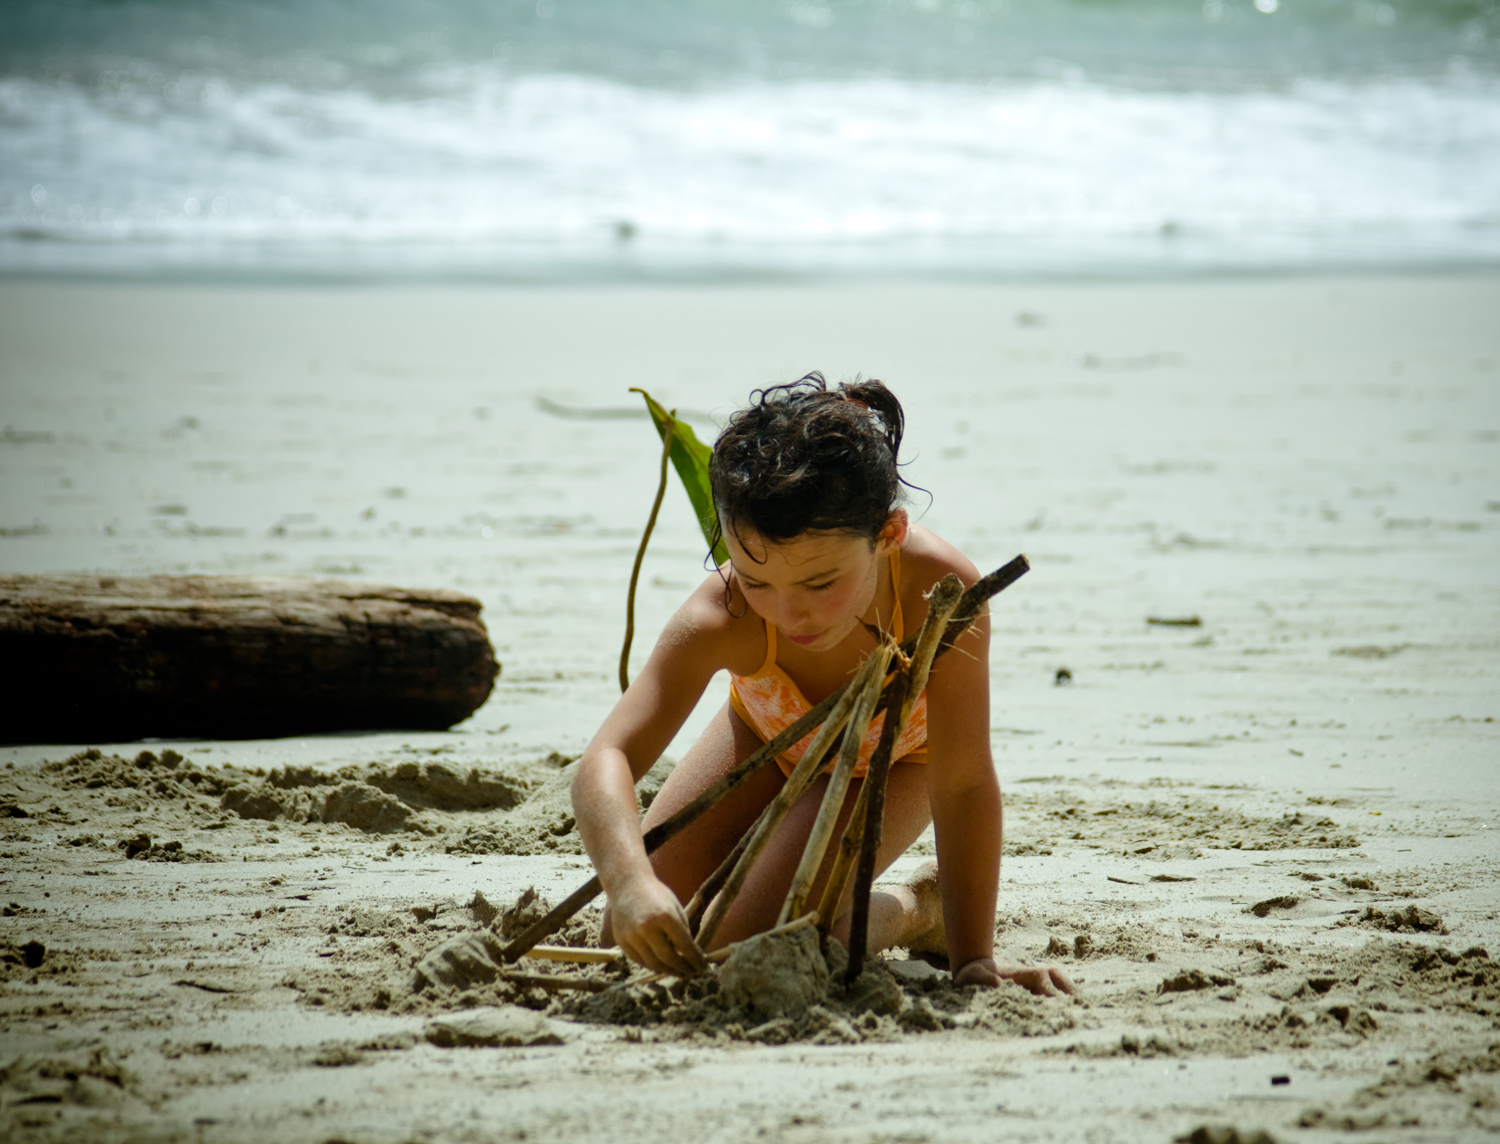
{"points": [[790, 614]]}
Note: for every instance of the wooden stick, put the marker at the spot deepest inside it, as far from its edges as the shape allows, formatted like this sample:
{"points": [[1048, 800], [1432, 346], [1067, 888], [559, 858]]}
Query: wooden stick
{"points": [[552, 981], [640, 554], [575, 954], [864, 874], [943, 600], [843, 861], [797, 782], [968, 610], [838, 786], [941, 603]]}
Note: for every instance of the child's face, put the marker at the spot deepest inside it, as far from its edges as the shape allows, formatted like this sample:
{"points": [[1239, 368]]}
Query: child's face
{"points": [[818, 587]]}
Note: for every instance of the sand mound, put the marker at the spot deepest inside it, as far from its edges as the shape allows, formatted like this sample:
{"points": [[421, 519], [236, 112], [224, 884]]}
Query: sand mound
{"points": [[143, 848], [92, 1079], [782, 989], [520, 808], [1413, 919], [1165, 821], [1415, 1091], [776, 975], [167, 776], [544, 823], [1330, 997], [461, 962], [433, 786], [376, 799], [492, 1027]]}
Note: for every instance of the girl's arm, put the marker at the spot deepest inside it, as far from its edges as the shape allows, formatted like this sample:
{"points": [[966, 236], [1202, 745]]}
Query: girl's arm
{"points": [[967, 813], [647, 920], [965, 795]]}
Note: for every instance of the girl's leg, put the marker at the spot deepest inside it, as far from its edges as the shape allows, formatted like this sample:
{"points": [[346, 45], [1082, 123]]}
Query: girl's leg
{"points": [[895, 918], [685, 861]]}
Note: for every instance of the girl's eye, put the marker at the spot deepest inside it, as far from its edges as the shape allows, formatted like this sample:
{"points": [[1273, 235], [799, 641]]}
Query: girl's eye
{"points": [[821, 587]]}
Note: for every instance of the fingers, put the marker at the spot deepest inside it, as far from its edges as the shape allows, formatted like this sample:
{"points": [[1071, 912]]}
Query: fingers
{"points": [[664, 945]]}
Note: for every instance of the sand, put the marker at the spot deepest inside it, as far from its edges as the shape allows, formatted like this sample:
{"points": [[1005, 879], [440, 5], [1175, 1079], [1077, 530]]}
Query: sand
{"points": [[1264, 844]]}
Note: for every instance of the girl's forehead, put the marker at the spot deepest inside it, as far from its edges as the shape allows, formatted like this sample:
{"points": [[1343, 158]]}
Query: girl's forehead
{"points": [[802, 555]]}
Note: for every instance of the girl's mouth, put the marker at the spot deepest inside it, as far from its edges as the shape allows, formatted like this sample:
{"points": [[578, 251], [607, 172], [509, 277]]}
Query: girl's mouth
{"points": [[804, 640]]}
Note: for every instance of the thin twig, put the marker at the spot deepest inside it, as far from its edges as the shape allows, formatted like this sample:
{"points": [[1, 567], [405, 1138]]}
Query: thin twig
{"points": [[968, 610], [864, 874], [575, 954], [640, 553], [843, 860], [838, 785]]}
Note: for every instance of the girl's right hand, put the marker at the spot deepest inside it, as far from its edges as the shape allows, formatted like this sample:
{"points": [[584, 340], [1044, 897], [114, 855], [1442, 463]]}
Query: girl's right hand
{"points": [[650, 926]]}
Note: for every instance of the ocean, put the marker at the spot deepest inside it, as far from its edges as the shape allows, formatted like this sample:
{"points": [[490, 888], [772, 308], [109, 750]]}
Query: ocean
{"points": [[689, 139]]}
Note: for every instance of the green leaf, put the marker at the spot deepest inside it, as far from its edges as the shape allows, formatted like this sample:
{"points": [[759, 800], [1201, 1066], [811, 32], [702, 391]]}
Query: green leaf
{"points": [[690, 459]]}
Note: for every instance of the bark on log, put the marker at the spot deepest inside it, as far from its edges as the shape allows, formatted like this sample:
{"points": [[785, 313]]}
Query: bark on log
{"points": [[113, 658]]}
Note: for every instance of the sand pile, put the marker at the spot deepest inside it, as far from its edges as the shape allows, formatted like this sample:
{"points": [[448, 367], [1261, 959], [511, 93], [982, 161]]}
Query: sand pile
{"points": [[1419, 1093], [1165, 820], [376, 799], [1328, 999], [777, 989], [521, 807], [143, 782], [91, 1079], [544, 824]]}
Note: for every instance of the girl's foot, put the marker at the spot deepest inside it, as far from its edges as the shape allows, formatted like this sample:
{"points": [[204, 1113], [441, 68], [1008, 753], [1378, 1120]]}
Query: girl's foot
{"points": [[922, 901]]}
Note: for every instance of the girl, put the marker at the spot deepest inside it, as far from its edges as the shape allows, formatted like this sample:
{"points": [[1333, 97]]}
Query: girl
{"points": [[806, 487]]}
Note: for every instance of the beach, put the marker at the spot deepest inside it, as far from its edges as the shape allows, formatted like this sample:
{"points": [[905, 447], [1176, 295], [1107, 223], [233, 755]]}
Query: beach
{"points": [[1243, 704]]}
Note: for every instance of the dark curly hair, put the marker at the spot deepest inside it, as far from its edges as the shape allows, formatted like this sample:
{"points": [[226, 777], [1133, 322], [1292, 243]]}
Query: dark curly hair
{"points": [[803, 457]]}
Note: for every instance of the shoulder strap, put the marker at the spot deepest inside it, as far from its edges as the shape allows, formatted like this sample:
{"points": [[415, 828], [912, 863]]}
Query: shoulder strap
{"points": [[770, 647]]}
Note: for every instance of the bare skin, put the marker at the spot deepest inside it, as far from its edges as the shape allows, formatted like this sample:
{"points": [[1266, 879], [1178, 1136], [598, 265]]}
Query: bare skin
{"points": [[819, 589]]}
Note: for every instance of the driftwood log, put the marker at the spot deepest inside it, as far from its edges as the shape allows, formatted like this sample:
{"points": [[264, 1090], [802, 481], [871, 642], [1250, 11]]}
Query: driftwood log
{"points": [[108, 658]]}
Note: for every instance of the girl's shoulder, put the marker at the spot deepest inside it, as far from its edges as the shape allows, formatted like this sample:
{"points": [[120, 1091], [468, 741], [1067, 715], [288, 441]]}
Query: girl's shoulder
{"points": [[716, 625], [925, 559]]}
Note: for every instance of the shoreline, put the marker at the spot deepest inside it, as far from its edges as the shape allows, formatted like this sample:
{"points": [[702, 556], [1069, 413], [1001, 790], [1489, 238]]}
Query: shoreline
{"points": [[551, 273]]}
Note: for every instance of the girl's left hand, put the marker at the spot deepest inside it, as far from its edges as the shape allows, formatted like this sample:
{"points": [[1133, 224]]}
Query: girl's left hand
{"points": [[1043, 980]]}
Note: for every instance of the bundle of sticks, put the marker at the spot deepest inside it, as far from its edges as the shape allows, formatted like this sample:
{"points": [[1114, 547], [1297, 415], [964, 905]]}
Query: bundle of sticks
{"points": [[889, 680]]}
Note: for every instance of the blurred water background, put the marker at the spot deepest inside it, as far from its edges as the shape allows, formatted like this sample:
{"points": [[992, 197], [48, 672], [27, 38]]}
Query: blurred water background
{"points": [[505, 140]]}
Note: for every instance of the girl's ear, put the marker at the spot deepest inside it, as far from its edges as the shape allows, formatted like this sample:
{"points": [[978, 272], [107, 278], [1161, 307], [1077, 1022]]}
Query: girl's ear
{"points": [[893, 533]]}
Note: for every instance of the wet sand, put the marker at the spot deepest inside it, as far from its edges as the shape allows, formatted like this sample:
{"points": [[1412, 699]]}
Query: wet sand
{"points": [[1263, 844]]}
